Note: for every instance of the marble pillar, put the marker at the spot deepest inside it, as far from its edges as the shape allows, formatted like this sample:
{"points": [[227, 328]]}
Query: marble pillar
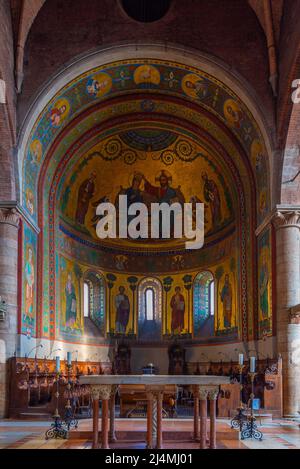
{"points": [[203, 416], [112, 405], [9, 224], [287, 225], [104, 395], [159, 437], [196, 413], [150, 399], [212, 396], [103, 392], [95, 404]]}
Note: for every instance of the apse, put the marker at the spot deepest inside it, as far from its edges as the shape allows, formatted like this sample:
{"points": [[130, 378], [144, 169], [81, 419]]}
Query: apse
{"points": [[155, 131]]}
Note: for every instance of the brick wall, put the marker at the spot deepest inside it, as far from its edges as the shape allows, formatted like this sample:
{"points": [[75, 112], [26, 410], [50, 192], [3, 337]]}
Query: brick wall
{"points": [[7, 110], [227, 30]]}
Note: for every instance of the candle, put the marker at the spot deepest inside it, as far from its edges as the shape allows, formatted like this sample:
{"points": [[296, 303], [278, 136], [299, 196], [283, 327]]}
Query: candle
{"points": [[252, 364], [57, 364], [241, 359], [69, 358]]}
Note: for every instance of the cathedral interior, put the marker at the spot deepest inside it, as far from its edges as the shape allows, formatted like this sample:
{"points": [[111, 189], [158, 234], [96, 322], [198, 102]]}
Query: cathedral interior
{"points": [[164, 101]]}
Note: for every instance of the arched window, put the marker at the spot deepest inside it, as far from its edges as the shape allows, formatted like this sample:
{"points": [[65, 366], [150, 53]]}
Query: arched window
{"points": [[86, 300], [150, 307], [204, 305], [149, 304], [94, 300], [212, 298]]}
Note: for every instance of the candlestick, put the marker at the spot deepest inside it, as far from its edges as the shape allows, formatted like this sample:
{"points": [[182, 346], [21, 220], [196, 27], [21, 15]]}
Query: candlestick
{"points": [[250, 430], [252, 364], [69, 419], [239, 420], [69, 358], [57, 429]]}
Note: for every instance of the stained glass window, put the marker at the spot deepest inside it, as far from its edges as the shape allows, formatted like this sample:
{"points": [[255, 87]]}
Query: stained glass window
{"points": [[204, 303], [149, 313], [94, 300], [86, 300], [150, 309]]}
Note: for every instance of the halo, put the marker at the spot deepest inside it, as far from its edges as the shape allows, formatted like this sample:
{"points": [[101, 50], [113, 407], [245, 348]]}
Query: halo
{"points": [[36, 149], [192, 78], [105, 83], [146, 74], [132, 176], [165, 173], [235, 107]]}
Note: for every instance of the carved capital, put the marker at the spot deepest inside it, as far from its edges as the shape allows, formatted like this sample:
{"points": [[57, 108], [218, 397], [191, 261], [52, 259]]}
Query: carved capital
{"points": [[158, 395], [114, 388], [105, 391], [9, 216], [203, 393], [294, 317], [284, 219], [206, 391], [213, 394], [150, 396], [94, 392]]}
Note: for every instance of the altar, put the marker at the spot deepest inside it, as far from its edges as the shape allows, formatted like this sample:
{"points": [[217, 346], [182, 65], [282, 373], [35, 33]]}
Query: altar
{"points": [[205, 389]]}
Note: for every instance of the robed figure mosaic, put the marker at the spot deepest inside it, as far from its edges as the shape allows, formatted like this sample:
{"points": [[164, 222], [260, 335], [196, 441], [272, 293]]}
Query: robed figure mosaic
{"points": [[226, 298], [71, 302], [177, 307], [122, 311]]}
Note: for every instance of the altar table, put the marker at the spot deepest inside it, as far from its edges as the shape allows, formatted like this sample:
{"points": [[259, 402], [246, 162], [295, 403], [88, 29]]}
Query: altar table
{"points": [[104, 387]]}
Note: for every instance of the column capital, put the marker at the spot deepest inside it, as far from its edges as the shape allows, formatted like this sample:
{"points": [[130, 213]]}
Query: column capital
{"points": [[100, 391], [94, 392], [150, 395], [286, 219], [158, 394], [294, 317], [114, 389], [203, 393], [213, 394], [9, 216], [206, 391], [105, 391]]}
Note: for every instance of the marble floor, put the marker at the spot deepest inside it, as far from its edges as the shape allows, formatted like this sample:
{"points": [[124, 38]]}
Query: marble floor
{"points": [[16, 434]]}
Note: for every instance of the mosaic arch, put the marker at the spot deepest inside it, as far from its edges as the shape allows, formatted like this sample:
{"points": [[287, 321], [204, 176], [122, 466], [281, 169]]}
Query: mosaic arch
{"points": [[95, 87], [128, 114]]}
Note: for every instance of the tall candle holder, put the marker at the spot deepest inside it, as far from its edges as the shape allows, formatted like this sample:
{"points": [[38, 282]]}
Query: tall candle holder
{"points": [[250, 429], [240, 419], [57, 429], [69, 420]]}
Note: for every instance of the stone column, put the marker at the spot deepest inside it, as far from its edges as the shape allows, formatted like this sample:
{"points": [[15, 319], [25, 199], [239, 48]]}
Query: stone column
{"points": [[213, 395], [159, 420], [95, 400], [287, 224], [112, 403], [9, 223], [203, 416], [149, 420], [196, 414], [104, 395]]}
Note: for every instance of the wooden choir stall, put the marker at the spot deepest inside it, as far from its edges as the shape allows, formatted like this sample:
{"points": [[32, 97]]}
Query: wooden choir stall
{"points": [[203, 387]]}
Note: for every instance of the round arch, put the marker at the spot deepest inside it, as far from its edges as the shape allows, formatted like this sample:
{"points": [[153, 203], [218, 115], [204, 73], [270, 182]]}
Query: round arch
{"points": [[244, 143]]}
